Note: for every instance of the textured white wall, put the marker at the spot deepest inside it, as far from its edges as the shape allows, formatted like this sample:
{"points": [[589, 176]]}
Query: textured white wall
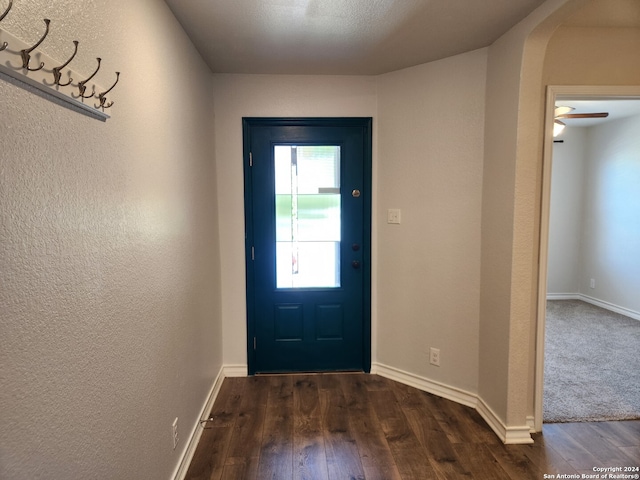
{"points": [[109, 270], [432, 171], [611, 228], [594, 224], [430, 150], [238, 96], [566, 212], [510, 220], [596, 56]]}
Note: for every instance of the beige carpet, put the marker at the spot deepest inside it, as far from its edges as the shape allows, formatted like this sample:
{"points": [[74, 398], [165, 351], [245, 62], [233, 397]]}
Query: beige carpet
{"points": [[592, 364]]}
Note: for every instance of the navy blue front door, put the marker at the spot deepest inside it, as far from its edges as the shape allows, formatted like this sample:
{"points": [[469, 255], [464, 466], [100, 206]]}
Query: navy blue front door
{"points": [[308, 224]]}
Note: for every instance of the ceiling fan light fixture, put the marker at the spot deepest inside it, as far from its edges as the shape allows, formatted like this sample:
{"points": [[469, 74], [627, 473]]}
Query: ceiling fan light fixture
{"points": [[560, 110], [558, 127]]}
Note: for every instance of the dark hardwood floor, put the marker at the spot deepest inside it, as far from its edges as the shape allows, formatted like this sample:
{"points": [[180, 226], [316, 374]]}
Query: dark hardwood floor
{"points": [[358, 426]]}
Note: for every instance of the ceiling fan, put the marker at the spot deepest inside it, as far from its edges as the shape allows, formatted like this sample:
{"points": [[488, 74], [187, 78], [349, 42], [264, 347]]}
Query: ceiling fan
{"points": [[565, 112]]}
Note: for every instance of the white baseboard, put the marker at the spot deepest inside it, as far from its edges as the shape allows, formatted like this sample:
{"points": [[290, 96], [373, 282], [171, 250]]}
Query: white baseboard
{"points": [[450, 393], [235, 371], [509, 435], [196, 431], [517, 435], [563, 296], [594, 301], [531, 421], [611, 307]]}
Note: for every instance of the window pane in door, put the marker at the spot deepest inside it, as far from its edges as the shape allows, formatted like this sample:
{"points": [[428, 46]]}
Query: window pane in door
{"points": [[308, 221]]}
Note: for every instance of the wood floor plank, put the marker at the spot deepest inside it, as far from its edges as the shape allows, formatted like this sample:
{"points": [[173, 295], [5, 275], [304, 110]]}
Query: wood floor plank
{"points": [[446, 412], [621, 434], [372, 444], [343, 458], [214, 441], [382, 472], [309, 458], [244, 470], [572, 451], [208, 461], [310, 461], [435, 407], [409, 454], [427, 429], [440, 452], [546, 458], [514, 461], [276, 452], [306, 401], [456, 422], [590, 439], [356, 426], [329, 381], [406, 396], [225, 409], [476, 424], [479, 463], [246, 441], [376, 382], [633, 455]]}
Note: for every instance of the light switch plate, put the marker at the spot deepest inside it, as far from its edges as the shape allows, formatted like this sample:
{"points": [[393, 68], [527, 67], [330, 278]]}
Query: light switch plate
{"points": [[393, 216]]}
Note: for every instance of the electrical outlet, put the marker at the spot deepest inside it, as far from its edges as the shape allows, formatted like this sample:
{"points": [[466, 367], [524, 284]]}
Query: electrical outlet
{"points": [[434, 356], [174, 432], [592, 283]]}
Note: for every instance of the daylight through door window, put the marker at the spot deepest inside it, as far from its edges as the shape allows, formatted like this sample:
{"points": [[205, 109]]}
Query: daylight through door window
{"points": [[308, 222]]}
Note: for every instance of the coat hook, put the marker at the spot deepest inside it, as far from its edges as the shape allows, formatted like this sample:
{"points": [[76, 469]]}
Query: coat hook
{"points": [[103, 96], [57, 72], [6, 12], [82, 86], [5, 44], [26, 53]]}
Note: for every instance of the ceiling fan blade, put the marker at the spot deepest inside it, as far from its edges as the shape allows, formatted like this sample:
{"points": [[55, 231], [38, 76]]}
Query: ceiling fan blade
{"points": [[584, 115], [558, 127]]}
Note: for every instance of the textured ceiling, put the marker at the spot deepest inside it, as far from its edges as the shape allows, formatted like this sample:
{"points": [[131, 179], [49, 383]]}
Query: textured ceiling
{"points": [[360, 37]]}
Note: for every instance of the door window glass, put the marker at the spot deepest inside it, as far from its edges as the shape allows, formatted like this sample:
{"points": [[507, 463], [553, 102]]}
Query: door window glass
{"points": [[308, 223]]}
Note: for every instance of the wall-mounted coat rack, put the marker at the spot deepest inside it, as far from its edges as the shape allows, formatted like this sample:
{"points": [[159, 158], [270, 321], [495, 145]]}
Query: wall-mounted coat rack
{"points": [[54, 80]]}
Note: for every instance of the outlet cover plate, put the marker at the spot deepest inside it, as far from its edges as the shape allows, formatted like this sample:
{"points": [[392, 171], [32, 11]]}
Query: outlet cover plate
{"points": [[434, 356]]}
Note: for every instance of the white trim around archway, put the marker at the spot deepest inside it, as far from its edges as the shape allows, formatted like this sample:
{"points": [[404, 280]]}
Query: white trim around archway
{"points": [[554, 92]]}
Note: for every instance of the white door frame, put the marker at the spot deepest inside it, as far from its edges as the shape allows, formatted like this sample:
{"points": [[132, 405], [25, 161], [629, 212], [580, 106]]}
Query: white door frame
{"points": [[554, 92]]}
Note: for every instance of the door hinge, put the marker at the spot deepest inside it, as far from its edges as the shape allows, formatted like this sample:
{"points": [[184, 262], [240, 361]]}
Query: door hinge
{"points": [[254, 343], [250, 159], [253, 253]]}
